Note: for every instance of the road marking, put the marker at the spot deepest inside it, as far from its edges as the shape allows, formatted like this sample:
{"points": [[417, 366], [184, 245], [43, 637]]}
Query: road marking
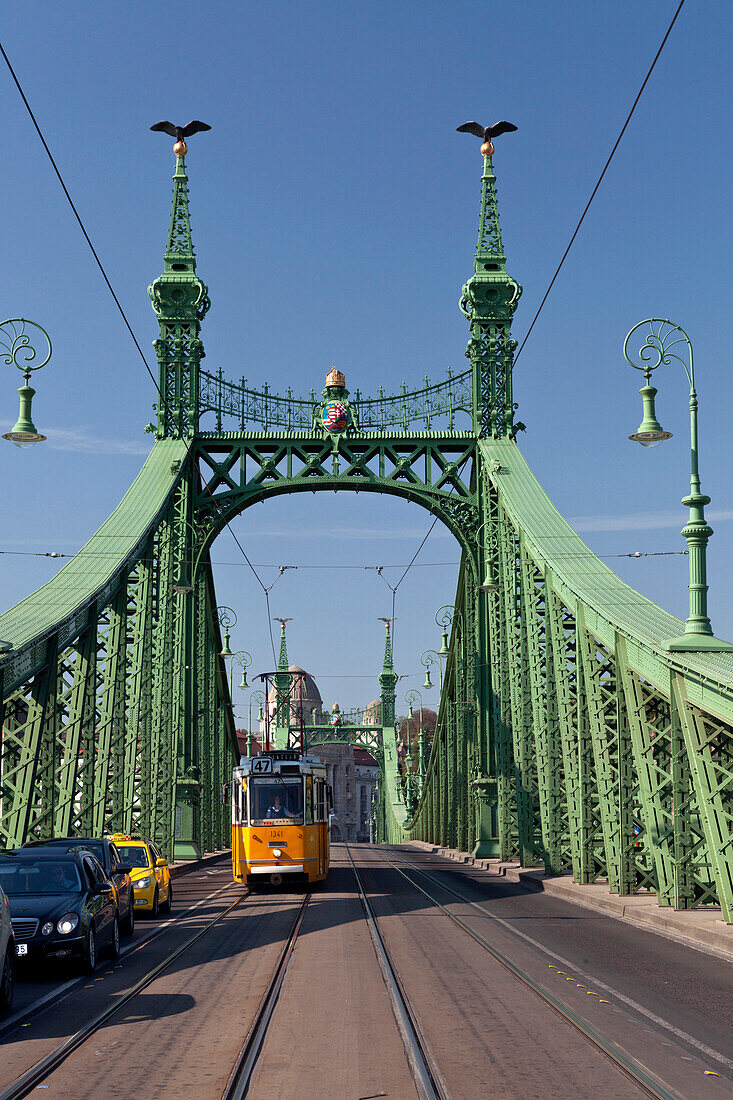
{"points": [[659, 1020], [53, 994]]}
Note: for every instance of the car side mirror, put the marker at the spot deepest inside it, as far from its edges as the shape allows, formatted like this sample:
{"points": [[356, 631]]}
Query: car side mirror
{"points": [[161, 863], [103, 888], [123, 868]]}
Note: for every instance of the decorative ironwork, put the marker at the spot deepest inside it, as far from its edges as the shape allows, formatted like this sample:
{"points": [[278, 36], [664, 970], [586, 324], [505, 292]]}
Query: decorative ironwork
{"points": [[272, 412], [17, 350]]}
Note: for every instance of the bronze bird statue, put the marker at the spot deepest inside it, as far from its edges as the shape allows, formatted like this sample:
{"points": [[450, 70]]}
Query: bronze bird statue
{"points": [[180, 133], [486, 133]]}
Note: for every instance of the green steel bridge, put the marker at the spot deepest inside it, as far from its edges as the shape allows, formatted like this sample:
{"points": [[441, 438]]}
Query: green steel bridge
{"points": [[569, 733]]}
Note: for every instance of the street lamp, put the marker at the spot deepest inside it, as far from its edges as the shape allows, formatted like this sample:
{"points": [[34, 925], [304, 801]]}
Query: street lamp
{"points": [[227, 618], [655, 352], [428, 659], [255, 697], [243, 659], [414, 696], [489, 583], [444, 617], [186, 576], [16, 345]]}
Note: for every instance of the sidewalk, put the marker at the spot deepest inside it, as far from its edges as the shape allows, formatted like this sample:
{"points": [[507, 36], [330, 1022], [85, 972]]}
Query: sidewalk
{"points": [[700, 928], [186, 865]]}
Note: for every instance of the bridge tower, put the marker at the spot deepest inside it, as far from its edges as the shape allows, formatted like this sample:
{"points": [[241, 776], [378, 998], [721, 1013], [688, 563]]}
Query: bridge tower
{"points": [[282, 681], [180, 300]]}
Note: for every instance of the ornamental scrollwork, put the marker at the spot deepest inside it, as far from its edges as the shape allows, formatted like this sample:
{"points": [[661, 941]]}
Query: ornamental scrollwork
{"points": [[17, 350]]}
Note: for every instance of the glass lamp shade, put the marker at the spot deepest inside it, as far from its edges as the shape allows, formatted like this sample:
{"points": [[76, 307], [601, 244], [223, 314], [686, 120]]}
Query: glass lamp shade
{"points": [[650, 439], [428, 682], [24, 432], [650, 433]]}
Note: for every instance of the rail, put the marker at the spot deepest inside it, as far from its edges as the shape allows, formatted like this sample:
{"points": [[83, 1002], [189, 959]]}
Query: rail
{"points": [[385, 412]]}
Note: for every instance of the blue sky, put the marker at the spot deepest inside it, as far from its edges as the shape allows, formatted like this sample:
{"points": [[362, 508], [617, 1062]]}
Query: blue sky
{"points": [[334, 212]]}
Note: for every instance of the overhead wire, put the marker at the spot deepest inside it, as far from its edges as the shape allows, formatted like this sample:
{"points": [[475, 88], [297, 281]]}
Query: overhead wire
{"points": [[395, 587], [117, 302], [77, 215], [600, 179], [282, 568]]}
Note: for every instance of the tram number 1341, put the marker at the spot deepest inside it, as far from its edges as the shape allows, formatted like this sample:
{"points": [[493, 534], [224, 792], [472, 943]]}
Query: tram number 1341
{"points": [[280, 802]]}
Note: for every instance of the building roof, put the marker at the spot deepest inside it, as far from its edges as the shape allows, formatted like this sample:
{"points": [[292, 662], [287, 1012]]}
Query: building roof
{"points": [[306, 689], [362, 756]]}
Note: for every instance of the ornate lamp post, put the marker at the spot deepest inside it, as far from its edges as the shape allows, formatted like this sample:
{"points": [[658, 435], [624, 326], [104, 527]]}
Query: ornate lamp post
{"points": [[227, 618], [444, 617], [655, 352], [429, 658], [243, 660], [255, 697], [489, 583], [16, 350], [411, 697]]}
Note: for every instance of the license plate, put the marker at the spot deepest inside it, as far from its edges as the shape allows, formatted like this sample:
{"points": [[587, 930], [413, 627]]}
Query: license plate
{"points": [[139, 901], [21, 949]]}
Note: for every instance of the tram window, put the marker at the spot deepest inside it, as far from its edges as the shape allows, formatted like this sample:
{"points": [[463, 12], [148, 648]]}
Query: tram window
{"points": [[240, 795], [308, 800], [274, 799], [321, 804]]}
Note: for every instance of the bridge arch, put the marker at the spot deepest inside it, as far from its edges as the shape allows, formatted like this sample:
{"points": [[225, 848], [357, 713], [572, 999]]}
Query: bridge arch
{"points": [[568, 733]]}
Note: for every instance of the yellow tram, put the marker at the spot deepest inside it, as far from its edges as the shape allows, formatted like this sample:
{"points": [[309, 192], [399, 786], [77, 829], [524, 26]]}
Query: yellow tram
{"points": [[280, 805]]}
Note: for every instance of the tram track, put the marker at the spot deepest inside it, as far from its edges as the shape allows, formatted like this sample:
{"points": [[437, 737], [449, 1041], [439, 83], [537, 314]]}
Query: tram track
{"points": [[648, 1085], [425, 1073], [42, 1069], [55, 996], [244, 1068]]}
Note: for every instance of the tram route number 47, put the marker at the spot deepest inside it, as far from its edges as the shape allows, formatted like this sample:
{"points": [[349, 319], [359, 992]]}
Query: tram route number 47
{"points": [[261, 766]]}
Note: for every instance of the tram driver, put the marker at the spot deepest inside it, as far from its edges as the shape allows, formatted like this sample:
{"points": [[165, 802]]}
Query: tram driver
{"points": [[275, 809]]}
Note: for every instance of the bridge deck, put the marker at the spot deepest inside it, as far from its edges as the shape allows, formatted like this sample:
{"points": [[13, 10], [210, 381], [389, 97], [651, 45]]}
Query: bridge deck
{"points": [[332, 1033]]}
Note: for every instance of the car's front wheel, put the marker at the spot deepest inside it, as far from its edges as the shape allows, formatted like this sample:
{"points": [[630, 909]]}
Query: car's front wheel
{"points": [[166, 907], [129, 926], [154, 911], [90, 953], [7, 981]]}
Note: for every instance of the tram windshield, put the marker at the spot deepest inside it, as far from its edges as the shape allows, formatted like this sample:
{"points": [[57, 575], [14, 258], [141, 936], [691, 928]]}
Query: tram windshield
{"points": [[278, 800]]}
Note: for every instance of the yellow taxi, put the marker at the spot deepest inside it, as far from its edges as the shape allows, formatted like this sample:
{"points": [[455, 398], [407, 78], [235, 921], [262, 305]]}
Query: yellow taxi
{"points": [[151, 877]]}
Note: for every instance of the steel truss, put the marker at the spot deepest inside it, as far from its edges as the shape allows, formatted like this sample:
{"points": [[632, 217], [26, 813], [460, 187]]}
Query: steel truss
{"points": [[568, 737]]}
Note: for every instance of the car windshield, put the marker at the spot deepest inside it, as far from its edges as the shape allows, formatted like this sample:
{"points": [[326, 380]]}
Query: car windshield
{"points": [[136, 855], [91, 846], [47, 876], [278, 800]]}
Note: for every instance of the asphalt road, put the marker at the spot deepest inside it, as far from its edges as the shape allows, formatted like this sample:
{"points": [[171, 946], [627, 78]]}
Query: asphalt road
{"points": [[333, 1034]]}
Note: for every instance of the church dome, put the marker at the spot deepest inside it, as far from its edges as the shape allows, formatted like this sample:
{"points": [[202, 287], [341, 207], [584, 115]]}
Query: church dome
{"points": [[304, 690]]}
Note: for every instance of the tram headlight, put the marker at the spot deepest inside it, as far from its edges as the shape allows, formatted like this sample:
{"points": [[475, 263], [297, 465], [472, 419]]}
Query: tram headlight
{"points": [[67, 923], [276, 852]]}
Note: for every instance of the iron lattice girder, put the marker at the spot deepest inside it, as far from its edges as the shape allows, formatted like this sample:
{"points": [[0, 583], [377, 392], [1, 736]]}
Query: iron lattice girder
{"points": [[434, 470]]}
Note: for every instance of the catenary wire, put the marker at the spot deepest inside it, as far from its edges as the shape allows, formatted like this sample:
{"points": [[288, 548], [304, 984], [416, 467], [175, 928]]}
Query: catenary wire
{"points": [[281, 568], [600, 180], [87, 238], [519, 351]]}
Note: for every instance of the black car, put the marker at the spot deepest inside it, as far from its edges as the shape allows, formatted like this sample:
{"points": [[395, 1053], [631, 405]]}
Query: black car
{"points": [[117, 871], [61, 904]]}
